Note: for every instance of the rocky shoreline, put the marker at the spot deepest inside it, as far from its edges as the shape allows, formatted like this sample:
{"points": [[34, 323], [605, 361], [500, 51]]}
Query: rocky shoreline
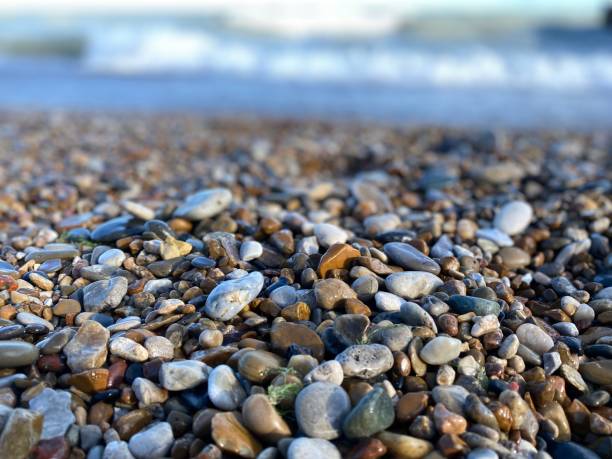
{"points": [[181, 287]]}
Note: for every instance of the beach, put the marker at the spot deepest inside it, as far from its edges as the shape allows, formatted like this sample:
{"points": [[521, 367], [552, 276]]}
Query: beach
{"points": [[174, 285]]}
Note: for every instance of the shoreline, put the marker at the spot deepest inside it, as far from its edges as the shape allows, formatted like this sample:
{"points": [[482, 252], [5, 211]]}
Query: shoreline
{"points": [[181, 287]]}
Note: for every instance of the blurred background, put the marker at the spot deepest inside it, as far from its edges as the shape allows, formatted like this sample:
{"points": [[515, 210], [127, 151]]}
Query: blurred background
{"points": [[519, 63]]}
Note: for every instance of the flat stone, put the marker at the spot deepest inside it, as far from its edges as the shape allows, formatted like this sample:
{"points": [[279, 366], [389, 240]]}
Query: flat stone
{"points": [[104, 294], [27, 318], [204, 204], [183, 374], [154, 442], [412, 284], [365, 361], [441, 350], [55, 408], [410, 258], [320, 409], [513, 218], [65, 252], [224, 390], [479, 306], [312, 448], [228, 298], [534, 338], [15, 354], [88, 348]]}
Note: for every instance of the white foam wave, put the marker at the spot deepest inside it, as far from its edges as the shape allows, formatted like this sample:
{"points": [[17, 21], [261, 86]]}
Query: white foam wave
{"points": [[172, 50]]}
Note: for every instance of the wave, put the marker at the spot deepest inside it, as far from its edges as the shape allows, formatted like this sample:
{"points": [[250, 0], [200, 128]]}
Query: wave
{"points": [[170, 50]]}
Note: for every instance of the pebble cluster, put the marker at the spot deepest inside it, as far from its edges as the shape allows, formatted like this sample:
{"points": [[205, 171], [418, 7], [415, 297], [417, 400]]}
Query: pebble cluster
{"points": [[187, 288]]}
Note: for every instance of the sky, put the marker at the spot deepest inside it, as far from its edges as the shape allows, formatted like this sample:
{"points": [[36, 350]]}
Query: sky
{"points": [[570, 9]]}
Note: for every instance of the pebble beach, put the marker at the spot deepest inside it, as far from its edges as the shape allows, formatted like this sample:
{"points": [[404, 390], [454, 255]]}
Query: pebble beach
{"points": [[180, 287]]}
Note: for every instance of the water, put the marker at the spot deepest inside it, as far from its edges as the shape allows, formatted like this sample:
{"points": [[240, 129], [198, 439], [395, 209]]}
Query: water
{"points": [[457, 72]]}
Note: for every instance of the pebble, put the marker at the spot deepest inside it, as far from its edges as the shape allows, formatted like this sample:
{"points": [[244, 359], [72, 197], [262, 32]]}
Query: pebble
{"points": [[117, 450], [514, 217], [441, 350], [26, 318], [158, 347], [365, 361], [204, 204], [54, 406], [230, 297], [261, 418], [183, 374], [412, 284], [534, 338], [112, 257], [484, 324], [496, 236], [312, 448], [224, 390], [153, 442], [381, 310], [320, 409], [374, 413], [231, 436], [88, 347], [128, 349], [330, 292], [328, 371], [22, 431], [15, 354], [410, 258], [148, 393], [104, 294], [405, 446], [328, 234], [388, 302], [479, 306]]}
